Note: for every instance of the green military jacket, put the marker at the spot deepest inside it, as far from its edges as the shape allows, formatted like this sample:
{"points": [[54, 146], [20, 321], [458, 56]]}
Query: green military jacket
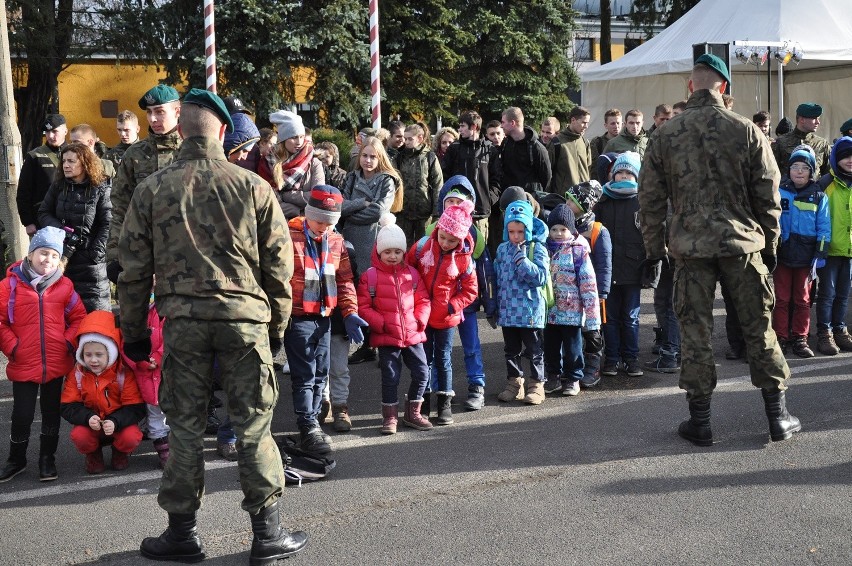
{"points": [[422, 179], [570, 160], [37, 173], [784, 146], [214, 235], [140, 160], [717, 170], [625, 142], [116, 153]]}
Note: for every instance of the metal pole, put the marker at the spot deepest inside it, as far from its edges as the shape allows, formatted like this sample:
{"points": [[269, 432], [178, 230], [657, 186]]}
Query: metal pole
{"points": [[780, 90], [209, 46], [375, 86], [14, 237]]}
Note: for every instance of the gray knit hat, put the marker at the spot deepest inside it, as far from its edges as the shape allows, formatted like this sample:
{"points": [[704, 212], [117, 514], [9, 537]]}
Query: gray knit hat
{"points": [[48, 237], [289, 124]]}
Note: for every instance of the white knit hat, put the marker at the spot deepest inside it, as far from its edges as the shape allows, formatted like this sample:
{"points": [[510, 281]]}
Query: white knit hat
{"points": [[391, 236], [111, 346]]}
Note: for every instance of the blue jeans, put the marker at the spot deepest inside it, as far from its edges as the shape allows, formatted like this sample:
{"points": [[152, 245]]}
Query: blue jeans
{"points": [[307, 345], [390, 362], [439, 349], [469, 336], [621, 331], [528, 340], [833, 293], [563, 351]]}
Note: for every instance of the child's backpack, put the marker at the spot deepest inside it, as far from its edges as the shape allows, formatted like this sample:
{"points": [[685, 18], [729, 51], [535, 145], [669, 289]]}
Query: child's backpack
{"points": [[593, 237], [300, 465], [547, 289]]}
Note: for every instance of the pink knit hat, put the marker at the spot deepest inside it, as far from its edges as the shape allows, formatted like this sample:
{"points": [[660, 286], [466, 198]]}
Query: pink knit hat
{"points": [[456, 219]]}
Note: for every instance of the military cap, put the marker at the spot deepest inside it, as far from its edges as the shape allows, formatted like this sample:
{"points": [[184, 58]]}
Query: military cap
{"points": [[809, 110], [847, 125], [236, 106], [53, 121], [212, 102], [158, 95], [716, 64]]}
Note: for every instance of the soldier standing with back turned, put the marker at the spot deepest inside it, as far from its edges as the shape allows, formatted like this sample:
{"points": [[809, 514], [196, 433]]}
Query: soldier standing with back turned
{"points": [[215, 236], [717, 170]]}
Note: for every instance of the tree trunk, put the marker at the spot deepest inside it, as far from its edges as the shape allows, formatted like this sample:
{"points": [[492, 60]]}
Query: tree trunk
{"points": [[606, 31]]}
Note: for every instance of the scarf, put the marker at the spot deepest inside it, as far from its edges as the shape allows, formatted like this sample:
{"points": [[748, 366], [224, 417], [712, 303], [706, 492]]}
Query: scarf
{"points": [[39, 282], [295, 169], [320, 293], [621, 189]]}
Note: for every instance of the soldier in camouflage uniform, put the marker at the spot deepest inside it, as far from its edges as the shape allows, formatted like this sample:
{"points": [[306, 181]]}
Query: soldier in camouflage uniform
{"points": [[717, 171], [162, 107], [127, 125], [807, 123], [38, 171], [215, 236]]}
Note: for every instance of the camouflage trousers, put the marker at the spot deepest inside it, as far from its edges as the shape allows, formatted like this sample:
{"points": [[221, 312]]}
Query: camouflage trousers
{"points": [[251, 392], [694, 293]]}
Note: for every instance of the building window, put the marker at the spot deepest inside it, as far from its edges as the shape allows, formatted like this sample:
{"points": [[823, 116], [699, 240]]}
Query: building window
{"points": [[631, 43], [584, 49]]}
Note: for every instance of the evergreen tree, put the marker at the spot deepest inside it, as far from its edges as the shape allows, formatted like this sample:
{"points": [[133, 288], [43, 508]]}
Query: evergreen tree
{"points": [[647, 13]]}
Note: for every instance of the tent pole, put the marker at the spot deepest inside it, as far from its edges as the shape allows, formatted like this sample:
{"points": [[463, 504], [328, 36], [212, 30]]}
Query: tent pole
{"points": [[769, 88], [780, 90]]}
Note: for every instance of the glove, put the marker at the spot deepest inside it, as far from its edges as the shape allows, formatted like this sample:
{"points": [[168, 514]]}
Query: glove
{"points": [[594, 341], [113, 269], [140, 350], [492, 321], [275, 345], [770, 261], [353, 324], [651, 269]]}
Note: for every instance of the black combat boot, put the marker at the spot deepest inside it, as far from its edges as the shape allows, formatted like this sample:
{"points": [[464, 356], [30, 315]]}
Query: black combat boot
{"points": [[17, 461], [178, 543], [696, 428], [271, 541], [46, 459], [782, 424], [445, 409]]}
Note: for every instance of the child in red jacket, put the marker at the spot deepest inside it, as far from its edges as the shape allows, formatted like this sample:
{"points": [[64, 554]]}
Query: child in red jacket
{"points": [[394, 302], [101, 397], [39, 316], [445, 263]]}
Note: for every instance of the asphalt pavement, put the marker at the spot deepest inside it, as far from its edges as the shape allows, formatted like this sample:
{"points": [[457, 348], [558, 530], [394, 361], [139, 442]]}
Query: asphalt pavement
{"points": [[601, 478]]}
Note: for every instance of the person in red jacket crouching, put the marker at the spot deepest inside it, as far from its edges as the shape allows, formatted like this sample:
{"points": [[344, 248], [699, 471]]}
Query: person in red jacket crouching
{"points": [[101, 397], [396, 305]]}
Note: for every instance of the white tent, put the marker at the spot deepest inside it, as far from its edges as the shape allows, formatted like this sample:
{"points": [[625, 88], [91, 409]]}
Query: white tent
{"points": [[657, 71]]}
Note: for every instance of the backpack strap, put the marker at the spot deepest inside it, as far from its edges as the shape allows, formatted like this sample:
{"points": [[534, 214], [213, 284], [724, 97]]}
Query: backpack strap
{"points": [[420, 243], [13, 285], [596, 231], [415, 276], [371, 285]]}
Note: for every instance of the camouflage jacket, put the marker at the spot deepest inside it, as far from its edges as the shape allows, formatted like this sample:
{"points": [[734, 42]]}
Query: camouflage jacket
{"points": [[116, 153], [215, 237], [784, 146], [717, 170], [421, 180], [139, 161]]}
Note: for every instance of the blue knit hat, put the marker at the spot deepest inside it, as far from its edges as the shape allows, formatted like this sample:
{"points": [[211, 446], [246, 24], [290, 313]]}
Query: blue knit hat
{"points": [[518, 211], [803, 154], [564, 216], [244, 136], [48, 237], [628, 161]]}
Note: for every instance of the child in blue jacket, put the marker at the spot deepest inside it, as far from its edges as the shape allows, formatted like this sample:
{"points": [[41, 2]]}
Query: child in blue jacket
{"points": [[805, 233], [521, 266]]}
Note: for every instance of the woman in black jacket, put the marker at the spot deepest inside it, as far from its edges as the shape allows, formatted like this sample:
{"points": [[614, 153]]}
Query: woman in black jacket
{"points": [[79, 202]]}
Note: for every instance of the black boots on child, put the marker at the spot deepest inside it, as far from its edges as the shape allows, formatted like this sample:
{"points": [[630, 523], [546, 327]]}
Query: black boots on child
{"points": [[47, 457], [17, 461]]}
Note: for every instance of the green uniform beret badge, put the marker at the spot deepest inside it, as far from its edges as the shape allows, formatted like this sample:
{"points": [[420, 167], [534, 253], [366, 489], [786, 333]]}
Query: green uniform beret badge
{"points": [[158, 95]]}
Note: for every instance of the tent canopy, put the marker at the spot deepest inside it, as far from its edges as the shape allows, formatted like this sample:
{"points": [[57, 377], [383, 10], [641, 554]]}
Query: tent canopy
{"points": [[657, 71]]}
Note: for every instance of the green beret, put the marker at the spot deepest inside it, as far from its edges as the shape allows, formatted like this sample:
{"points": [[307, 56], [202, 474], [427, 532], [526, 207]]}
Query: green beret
{"points": [[809, 110], [160, 94], [847, 125], [716, 64], [212, 102]]}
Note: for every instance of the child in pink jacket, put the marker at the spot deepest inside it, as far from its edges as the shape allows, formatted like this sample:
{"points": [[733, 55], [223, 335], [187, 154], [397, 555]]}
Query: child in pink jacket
{"points": [[395, 303]]}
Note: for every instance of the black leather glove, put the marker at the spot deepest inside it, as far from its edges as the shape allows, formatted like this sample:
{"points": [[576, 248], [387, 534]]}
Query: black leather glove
{"points": [[594, 341], [140, 350], [651, 269], [770, 261], [113, 269], [275, 345]]}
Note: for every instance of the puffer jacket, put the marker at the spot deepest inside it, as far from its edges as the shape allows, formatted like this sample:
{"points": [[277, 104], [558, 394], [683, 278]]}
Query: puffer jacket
{"points": [[434, 264], [399, 310], [421, 180], [838, 189], [805, 225], [519, 280], [88, 210], [620, 216], [147, 378], [38, 325], [574, 285], [86, 394]]}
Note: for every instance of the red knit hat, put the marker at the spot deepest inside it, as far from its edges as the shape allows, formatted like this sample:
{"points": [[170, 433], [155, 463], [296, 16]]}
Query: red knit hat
{"points": [[456, 219], [324, 205]]}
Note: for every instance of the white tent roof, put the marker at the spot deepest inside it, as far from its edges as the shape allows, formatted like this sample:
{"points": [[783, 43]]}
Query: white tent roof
{"points": [[823, 28]]}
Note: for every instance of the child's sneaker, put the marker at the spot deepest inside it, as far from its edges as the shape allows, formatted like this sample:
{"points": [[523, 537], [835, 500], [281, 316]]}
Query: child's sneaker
{"points": [[610, 369], [633, 369], [553, 383], [570, 387]]}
